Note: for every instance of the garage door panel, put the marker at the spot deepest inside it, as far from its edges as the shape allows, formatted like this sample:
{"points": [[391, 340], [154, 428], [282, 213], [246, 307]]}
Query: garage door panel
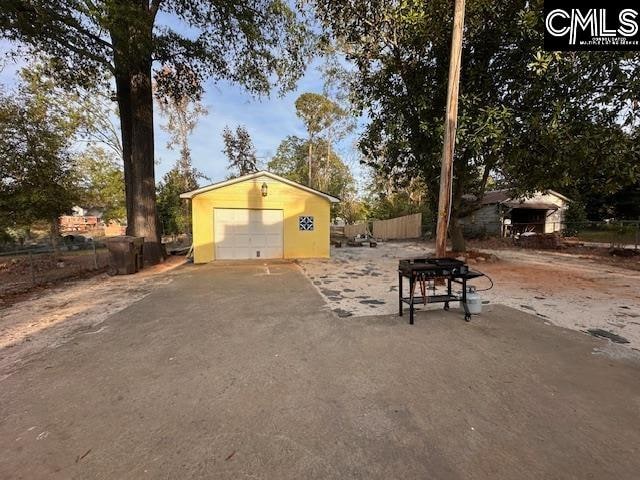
{"points": [[273, 241], [225, 223], [241, 241], [271, 217], [274, 229], [270, 253], [243, 233]]}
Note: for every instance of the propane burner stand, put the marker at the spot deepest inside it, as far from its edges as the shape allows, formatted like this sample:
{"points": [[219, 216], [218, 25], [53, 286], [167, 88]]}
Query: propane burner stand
{"points": [[425, 272]]}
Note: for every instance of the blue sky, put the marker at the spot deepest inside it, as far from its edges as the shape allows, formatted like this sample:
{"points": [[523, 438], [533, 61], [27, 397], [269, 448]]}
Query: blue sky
{"points": [[269, 120]]}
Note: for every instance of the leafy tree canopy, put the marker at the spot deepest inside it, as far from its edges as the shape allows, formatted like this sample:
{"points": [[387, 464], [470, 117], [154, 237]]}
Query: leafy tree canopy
{"points": [[537, 120], [291, 161], [254, 44], [174, 212], [386, 198], [239, 149], [101, 183], [318, 113], [323, 118], [37, 169]]}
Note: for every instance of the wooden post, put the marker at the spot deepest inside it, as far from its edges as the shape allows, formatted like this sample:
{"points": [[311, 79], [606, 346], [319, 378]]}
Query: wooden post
{"points": [[32, 269], [450, 124]]}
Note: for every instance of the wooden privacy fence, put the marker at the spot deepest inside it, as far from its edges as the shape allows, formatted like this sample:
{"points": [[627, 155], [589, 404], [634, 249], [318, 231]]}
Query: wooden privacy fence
{"points": [[400, 228], [409, 226], [351, 231]]}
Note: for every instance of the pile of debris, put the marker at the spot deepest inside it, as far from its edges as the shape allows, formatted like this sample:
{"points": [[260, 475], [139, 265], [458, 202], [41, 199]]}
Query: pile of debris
{"points": [[474, 256], [623, 252], [359, 240], [547, 241]]}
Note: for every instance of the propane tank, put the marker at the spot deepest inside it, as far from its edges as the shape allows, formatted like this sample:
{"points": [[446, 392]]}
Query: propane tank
{"points": [[474, 302]]}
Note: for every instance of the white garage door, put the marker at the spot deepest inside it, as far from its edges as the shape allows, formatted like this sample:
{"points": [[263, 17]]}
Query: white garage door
{"points": [[243, 233]]}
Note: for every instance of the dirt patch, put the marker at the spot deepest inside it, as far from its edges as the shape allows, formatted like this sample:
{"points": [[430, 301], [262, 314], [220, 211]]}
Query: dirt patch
{"points": [[623, 258], [23, 273], [572, 291], [473, 255], [50, 317]]}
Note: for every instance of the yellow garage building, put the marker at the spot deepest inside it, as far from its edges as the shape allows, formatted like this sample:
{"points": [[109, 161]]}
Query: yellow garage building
{"points": [[260, 215]]}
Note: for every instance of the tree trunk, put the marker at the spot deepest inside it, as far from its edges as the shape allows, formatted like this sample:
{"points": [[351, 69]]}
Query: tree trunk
{"points": [[456, 233], [135, 104], [187, 210], [458, 243], [327, 166], [309, 162], [55, 236]]}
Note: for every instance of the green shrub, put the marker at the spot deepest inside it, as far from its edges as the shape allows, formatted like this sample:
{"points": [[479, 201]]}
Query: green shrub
{"points": [[575, 218]]}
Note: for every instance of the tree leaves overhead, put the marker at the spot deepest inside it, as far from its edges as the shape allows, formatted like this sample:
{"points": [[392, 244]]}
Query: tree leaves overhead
{"points": [[256, 44]]}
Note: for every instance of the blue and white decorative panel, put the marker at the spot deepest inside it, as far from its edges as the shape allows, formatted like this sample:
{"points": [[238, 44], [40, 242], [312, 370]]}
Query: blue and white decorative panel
{"points": [[305, 223]]}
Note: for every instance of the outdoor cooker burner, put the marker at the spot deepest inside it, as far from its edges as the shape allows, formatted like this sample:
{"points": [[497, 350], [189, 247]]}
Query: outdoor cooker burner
{"points": [[424, 272]]}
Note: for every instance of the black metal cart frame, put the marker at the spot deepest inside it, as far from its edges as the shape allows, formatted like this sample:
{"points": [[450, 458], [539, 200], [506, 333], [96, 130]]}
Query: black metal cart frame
{"points": [[449, 277]]}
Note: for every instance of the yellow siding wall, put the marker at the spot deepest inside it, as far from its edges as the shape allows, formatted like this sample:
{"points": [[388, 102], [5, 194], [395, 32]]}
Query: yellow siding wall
{"points": [[293, 201]]}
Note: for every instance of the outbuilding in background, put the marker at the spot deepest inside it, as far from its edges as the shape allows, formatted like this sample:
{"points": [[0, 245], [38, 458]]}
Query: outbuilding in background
{"points": [[260, 215]]}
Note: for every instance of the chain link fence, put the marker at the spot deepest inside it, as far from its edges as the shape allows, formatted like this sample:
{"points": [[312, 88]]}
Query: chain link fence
{"points": [[618, 234], [609, 234], [23, 268]]}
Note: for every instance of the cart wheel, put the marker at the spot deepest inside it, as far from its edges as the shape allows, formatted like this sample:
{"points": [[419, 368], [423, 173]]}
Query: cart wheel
{"points": [[467, 318], [446, 306], [112, 271]]}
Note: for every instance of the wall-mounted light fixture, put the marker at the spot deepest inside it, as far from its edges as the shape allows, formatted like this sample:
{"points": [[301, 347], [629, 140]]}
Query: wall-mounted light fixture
{"points": [[264, 189]]}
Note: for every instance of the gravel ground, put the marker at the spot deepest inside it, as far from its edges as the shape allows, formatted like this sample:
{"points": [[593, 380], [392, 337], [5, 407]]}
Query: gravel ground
{"points": [[574, 292]]}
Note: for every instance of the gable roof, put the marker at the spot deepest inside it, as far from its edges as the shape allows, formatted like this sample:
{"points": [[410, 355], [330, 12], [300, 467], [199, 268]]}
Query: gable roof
{"points": [[504, 196], [495, 196], [559, 195], [251, 176]]}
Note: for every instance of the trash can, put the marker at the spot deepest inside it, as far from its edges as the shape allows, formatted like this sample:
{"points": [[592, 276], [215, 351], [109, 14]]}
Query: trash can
{"points": [[125, 254]]}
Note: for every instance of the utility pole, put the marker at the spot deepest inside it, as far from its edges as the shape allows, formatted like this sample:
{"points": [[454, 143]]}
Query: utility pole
{"points": [[450, 124]]}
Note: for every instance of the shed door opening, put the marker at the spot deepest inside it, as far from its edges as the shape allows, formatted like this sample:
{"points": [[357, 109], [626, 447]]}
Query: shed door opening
{"points": [[243, 233]]}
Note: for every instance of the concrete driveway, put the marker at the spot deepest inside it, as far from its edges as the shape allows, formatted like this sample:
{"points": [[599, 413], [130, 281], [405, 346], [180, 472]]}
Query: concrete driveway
{"points": [[243, 372]]}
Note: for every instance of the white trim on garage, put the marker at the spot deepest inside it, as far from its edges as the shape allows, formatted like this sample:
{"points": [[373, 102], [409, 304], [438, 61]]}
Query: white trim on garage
{"points": [[262, 173]]}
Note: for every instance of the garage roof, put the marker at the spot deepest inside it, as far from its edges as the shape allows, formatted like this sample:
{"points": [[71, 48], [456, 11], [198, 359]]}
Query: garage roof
{"points": [[262, 173]]}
